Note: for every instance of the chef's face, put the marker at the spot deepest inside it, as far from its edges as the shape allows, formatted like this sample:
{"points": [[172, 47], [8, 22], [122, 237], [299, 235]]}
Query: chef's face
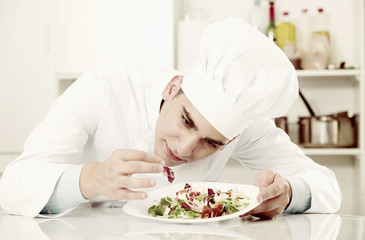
{"points": [[182, 134]]}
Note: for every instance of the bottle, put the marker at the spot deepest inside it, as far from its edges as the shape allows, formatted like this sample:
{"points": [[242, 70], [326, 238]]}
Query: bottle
{"points": [[258, 17], [320, 43], [286, 39], [271, 29], [321, 22], [304, 35], [285, 32]]}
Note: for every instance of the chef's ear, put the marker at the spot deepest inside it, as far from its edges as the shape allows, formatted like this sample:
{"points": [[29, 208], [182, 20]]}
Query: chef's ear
{"points": [[172, 87]]}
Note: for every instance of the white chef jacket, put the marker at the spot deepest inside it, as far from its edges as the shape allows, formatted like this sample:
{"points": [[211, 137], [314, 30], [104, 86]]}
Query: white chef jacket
{"points": [[117, 106]]}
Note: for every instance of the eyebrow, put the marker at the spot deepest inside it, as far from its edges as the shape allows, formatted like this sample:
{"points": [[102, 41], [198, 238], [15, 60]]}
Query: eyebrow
{"points": [[193, 125], [187, 115]]}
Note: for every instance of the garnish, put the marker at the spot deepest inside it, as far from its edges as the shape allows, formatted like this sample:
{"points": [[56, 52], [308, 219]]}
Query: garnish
{"points": [[169, 173]]}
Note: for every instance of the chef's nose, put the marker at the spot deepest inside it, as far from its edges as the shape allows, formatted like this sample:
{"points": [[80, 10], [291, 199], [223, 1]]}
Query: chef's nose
{"points": [[186, 144]]}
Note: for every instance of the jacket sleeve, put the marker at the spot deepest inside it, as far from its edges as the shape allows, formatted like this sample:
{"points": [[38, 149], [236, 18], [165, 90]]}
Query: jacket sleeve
{"points": [[263, 145], [66, 194], [52, 147]]}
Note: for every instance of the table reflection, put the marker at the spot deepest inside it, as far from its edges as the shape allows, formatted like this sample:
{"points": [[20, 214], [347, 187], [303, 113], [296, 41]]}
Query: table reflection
{"points": [[111, 223], [296, 226]]}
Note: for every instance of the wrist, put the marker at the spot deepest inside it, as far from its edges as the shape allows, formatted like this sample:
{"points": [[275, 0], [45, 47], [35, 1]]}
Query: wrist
{"points": [[290, 192], [87, 180]]}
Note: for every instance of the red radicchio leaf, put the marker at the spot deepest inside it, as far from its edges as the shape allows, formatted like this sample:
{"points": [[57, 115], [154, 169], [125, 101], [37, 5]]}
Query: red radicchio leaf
{"points": [[170, 174], [217, 210], [194, 194], [186, 206], [210, 192], [187, 186], [206, 212]]}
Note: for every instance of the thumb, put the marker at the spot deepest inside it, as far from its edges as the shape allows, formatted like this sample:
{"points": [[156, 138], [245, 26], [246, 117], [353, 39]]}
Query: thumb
{"points": [[264, 178]]}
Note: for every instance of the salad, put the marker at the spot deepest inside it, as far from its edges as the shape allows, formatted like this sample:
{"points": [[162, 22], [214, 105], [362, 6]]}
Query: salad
{"points": [[199, 202], [169, 173]]}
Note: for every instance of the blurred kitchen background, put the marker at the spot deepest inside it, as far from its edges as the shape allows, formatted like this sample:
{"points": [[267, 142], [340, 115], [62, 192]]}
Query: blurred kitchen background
{"points": [[46, 44]]}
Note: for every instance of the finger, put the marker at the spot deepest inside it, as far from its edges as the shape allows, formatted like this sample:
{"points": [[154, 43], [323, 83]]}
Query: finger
{"points": [[131, 182], [126, 194], [131, 167], [269, 207], [277, 188], [268, 215], [264, 178], [137, 155]]}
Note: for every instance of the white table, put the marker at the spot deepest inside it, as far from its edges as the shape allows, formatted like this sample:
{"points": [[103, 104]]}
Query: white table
{"points": [[86, 222]]}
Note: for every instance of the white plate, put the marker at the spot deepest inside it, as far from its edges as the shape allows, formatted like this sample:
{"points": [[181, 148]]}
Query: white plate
{"points": [[139, 208]]}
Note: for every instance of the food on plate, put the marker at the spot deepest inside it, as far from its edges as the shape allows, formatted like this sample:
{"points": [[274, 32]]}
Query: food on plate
{"points": [[200, 202], [169, 173]]}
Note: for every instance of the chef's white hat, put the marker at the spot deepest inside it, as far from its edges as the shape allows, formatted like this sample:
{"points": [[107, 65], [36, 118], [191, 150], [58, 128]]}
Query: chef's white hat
{"points": [[240, 76]]}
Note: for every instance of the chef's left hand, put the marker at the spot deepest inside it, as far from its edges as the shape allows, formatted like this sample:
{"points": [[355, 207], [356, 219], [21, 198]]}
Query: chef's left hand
{"points": [[275, 194]]}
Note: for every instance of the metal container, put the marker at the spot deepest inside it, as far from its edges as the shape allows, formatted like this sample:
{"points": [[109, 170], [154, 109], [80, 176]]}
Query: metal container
{"points": [[332, 131], [282, 122]]}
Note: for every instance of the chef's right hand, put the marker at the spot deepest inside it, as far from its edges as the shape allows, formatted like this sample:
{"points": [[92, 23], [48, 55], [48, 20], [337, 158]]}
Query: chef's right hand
{"points": [[112, 178]]}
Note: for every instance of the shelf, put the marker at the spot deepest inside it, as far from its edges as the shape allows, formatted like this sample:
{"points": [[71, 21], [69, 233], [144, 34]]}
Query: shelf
{"points": [[331, 151], [329, 73]]}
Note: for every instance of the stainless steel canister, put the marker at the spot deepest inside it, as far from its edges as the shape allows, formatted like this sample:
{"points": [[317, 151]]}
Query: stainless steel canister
{"points": [[282, 122], [328, 131]]}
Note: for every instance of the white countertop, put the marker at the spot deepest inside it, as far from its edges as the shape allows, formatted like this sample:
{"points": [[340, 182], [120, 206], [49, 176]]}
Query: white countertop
{"points": [[86, 222]]}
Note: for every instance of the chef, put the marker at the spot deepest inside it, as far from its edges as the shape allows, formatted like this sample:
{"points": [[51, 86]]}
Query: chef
{"points": [[110, 134]]}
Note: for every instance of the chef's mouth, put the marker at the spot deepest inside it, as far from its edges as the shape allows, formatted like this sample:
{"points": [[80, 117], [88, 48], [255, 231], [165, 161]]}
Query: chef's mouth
{"points": [[172, 155]]}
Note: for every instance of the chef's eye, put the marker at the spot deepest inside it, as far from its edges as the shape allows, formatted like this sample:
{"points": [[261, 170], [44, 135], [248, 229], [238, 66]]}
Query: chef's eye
{"points": [[212, 144], [187, 122]]}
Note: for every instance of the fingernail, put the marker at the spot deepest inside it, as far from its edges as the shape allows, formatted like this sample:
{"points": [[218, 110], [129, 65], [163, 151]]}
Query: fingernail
{"points": [[261, 199], [143, 195], [160, 168], [152, 182]]}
